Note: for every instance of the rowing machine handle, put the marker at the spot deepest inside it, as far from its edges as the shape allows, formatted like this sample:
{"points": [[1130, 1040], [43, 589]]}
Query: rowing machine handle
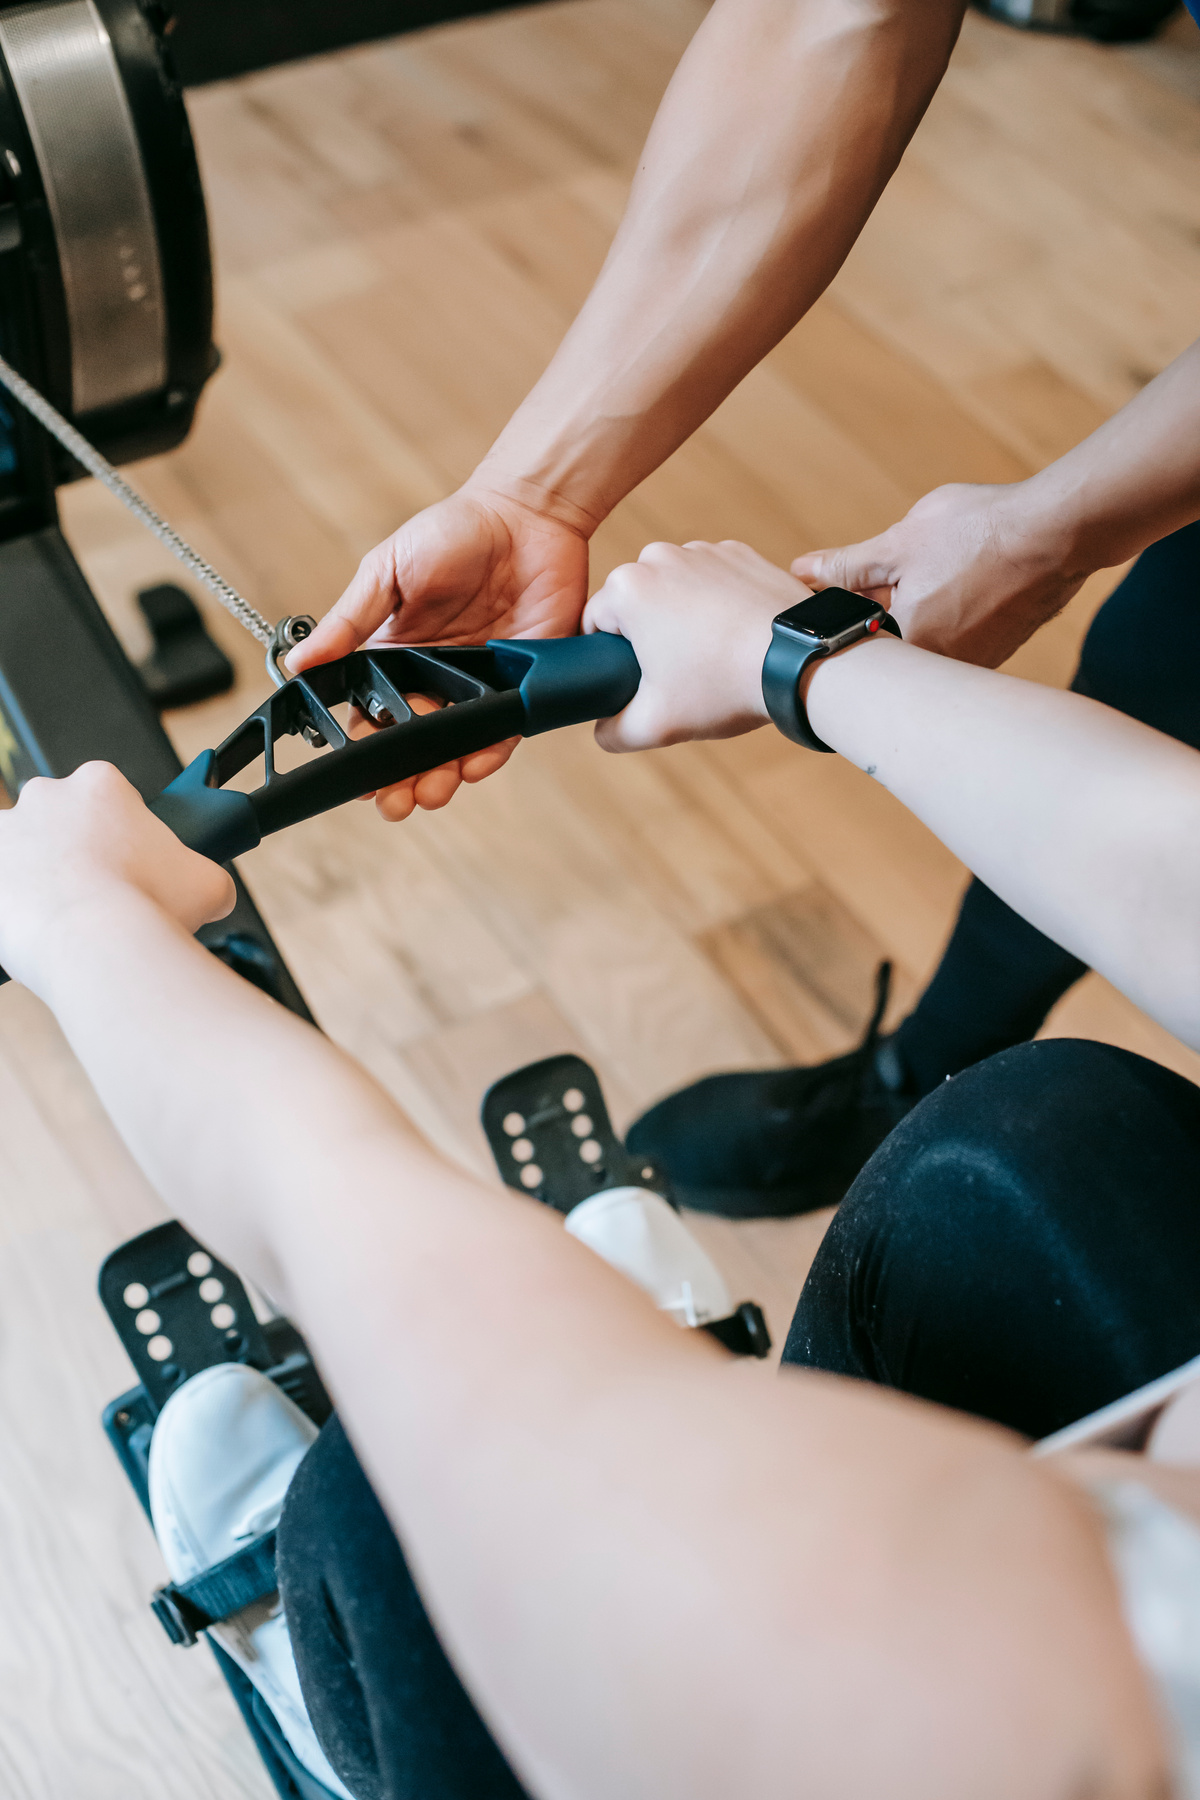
{"points": [[218, 822], [543, 684], [565, 681]]}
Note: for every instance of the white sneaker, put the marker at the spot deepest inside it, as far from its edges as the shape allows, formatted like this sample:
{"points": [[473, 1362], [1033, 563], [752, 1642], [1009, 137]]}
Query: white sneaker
{"points": [[636, 1232], [224, 1450]]}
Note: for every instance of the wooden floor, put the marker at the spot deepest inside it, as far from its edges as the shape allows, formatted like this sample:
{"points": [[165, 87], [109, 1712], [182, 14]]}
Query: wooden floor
{"points": [[403, 232]]}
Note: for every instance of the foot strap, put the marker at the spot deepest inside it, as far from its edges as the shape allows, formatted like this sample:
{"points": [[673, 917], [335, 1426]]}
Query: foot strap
{"points": [[744, 1332], [186, 1608]]}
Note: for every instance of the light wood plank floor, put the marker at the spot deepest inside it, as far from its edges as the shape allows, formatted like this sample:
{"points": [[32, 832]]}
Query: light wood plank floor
{"points": [[403, 232]]}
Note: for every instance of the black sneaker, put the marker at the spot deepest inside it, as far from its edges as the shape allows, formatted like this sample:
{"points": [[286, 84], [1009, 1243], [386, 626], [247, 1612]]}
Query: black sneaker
{"points": [[775, 1142]]}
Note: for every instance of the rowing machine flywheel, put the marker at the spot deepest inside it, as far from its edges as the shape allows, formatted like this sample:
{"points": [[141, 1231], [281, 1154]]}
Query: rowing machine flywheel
{"points": [[105, 267]]}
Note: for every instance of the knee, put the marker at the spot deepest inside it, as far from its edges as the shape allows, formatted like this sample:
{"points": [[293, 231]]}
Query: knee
{"points": [[1013, 1145], [1059, 1104], [1055, 1092], [969, 1140]]}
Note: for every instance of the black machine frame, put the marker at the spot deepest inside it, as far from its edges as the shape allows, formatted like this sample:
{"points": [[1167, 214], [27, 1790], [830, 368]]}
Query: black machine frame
{"points": [[68, 692], [35, 246], [70, 695]]}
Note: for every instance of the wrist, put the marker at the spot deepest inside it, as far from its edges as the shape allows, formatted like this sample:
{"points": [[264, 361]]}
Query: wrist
{"points": [[496, 481], [1036, 526], [754, 654], [824, 719], [814, 631], [813, 668], [52, 950], [576, 446], [1070, 520]]}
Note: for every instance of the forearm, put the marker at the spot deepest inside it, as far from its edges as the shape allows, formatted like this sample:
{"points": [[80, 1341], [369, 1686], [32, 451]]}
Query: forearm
{"points": [[1126, 486], [230, 1103], [603, 1516], [553, 1451], [776, 136], [1086, 822]]}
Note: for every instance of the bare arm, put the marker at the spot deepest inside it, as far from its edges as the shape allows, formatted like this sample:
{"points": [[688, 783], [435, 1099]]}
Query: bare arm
{"points": [[657, 1575], [973, 571], [1086, 822], [776, 136]]}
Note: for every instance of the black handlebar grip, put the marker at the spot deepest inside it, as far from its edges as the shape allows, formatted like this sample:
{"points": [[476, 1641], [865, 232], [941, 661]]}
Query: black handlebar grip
{"points": [[565, 681], [218, 822], [561, 681]]}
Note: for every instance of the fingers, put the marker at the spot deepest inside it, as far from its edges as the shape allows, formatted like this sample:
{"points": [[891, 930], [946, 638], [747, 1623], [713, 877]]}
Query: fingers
{"points": [[396, 803], [602, 612], [623, 733], [223, 897], [434, 788], [111, 833], [614, 605], [614, 608], [482, 763], [371, 598], [660, 555], [429, 791], [866, 568], [437, 787]]}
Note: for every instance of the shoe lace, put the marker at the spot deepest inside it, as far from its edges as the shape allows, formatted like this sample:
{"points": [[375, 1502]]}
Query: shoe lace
{"points": [[870, 1039]]}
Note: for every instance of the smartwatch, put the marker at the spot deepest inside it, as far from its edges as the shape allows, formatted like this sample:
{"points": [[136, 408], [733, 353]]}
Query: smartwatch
{"points": [[818, 626]]}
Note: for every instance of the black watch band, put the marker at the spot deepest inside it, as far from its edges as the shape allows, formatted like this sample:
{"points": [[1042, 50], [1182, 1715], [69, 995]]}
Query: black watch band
{"points": [[816, 627]]}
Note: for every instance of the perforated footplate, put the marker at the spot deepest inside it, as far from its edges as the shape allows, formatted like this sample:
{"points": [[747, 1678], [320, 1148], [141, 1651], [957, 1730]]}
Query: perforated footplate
{"points": [[550, 1133], [178, 1310], [161, 1292]]}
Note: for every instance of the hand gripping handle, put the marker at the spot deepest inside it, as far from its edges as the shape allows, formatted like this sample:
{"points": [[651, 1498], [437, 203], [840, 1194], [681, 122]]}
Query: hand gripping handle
{"points": [[510, 687], [218, 822]]}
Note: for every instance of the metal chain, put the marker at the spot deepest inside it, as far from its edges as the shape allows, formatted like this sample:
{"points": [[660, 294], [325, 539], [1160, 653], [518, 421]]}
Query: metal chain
{"points": [[97, 465]]}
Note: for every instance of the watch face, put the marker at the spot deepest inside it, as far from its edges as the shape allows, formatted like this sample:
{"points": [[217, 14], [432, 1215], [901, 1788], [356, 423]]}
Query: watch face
{"points": [[829, 614]]}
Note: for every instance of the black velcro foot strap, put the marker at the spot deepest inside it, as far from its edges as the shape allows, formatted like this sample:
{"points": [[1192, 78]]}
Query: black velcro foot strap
{"points": [[184, 1609], [744, 1331]]}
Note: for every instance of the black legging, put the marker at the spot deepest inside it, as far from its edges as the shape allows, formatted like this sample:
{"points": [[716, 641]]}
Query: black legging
{"points": [[1025, 1246], [391, 1714], [999, 976]]}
